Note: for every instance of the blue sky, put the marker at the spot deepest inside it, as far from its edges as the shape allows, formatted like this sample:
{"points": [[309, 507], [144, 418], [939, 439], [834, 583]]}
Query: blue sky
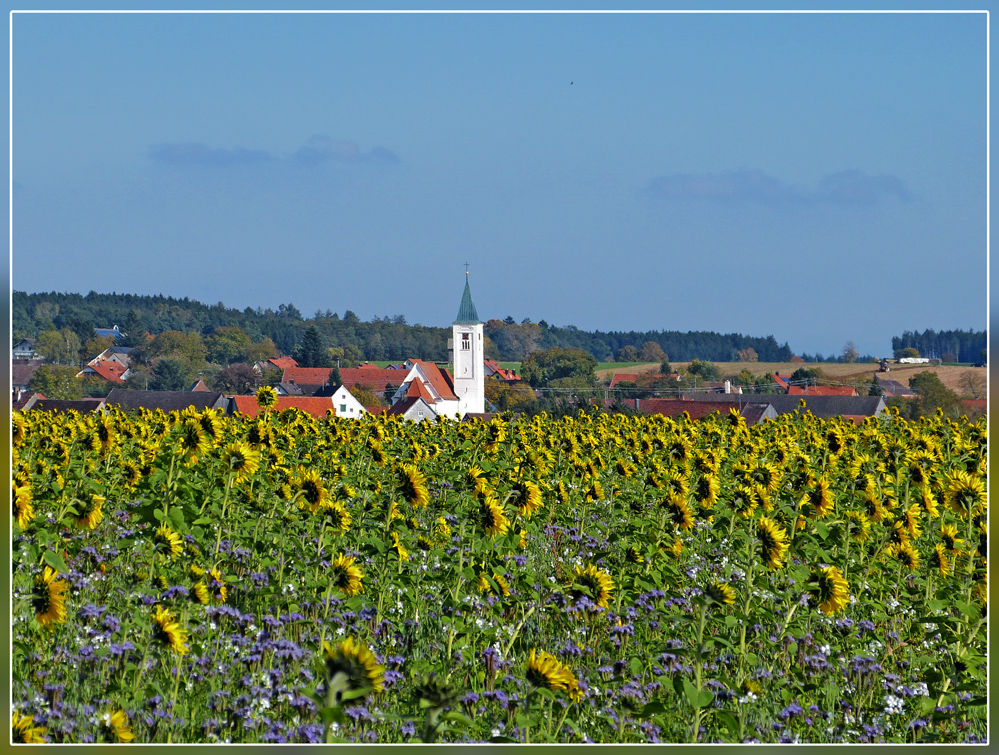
{"points": [[821, 178]]}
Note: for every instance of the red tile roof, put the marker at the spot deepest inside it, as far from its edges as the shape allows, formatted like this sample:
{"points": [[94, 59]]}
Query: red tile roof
{"points": [[317, 407], [418, 390], [443, 385], [109, 370], [372, 378], [821, 390], [283, 363], [625, 376], [674, 407]]}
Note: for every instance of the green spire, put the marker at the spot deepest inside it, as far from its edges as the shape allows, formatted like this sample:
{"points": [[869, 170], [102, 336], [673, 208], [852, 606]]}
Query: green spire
{"points": [[466, 312]]}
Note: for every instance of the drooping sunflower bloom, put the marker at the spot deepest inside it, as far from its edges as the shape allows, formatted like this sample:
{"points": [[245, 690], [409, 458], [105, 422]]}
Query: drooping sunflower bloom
{"points": [[168, 630], [911, 517], [337, 518], [23, 510], [499, 579], [311, 490], [528, 497], [964, 493], [929, 502], [949, 538], [351, 667], [115, 722], [477, 477], [625, 468], [191, 441], [24, 731], [492, 518], [217, 586], [377, 452], [399, 548], [523, 539], [266, 396], [679, 512], [773, 542], [89, 511], [597, 583], [706, 490], [721, 593], [905, 553], [546, 671], [200, 593], [21, 427], [412, 485], [817, 501], [594, 492], [829, 589], [745, 501], [346, 576], [49, 598], [940, 559], [168, 541], [633, 556], [242, 459], [102, 439], [858, 526]]}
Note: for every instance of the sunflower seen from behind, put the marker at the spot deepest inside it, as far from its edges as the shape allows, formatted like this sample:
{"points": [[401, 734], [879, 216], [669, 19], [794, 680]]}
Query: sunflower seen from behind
{"points": [[346, 576], [49, 598], [545, 671], [352, 672], [168, 631], [829, 589]]}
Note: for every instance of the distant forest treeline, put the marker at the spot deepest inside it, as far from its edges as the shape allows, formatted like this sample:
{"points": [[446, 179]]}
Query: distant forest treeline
{"points": [[381, 338], [962, 346]]}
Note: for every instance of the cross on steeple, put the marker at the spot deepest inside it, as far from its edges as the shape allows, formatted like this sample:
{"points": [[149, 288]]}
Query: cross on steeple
{"points": [[466, 268]]}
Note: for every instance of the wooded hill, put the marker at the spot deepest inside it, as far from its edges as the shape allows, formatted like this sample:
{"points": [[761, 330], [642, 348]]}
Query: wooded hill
{"points": [[388, 338]]}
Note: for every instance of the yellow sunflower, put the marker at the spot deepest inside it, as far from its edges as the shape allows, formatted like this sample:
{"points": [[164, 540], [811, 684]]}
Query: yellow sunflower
{"points": [[547, 672], [49, 598], [528, 496], [200, 593], [949, 537], [679, 512], [191, 441], [858, 526], [217, 586], [905, 553], [929, 502], [593, 582], [707, 489], [773, 542], [24, 511], [266, 396], [940, 559], [412, 485], [168, 541], [399, 548], [168, 630], [311, 490], [720, 593], [829, 589], [89, 511], [492, 518], [24, 730], [351, 667], [242, 460], [116, 722], [346, 576], [964, 493], [337, 518]]}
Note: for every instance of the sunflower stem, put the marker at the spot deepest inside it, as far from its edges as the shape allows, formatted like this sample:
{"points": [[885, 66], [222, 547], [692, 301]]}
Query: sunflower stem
{"points": [[225, 504]]}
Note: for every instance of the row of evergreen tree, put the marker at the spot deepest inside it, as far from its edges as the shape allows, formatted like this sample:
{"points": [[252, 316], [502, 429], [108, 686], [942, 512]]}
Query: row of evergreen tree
{"points": [[950, 345], [378, 339]]}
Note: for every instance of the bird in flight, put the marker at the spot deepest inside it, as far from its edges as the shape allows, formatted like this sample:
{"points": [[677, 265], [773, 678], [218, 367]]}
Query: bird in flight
{"points": [[570, 83]]}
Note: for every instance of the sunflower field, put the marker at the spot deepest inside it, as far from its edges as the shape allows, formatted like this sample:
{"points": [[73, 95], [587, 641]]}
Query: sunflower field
{"points": [[196, 577]]}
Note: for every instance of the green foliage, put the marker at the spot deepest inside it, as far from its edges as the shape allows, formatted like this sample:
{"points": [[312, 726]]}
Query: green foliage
{"points": [[366, 397], [907, 353], [542, 367], [312, 352], [933, 395], [516, 397], [626, 353], [652, 352], [59, 346], [704, 370], [804, 376], [170, 374], [228, 345], [56, 382]]}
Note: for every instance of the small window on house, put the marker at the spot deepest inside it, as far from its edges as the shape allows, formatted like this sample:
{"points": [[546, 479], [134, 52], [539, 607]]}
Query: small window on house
{"points": [[421, 414], [466, 343], [343, 407]]}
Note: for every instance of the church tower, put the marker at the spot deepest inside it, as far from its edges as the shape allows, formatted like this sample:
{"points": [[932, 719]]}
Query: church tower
{"points": [[469, 377]]}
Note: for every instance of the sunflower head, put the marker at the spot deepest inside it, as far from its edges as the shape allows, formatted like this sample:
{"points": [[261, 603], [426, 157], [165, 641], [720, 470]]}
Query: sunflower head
{"points": [[266, 396], [346, 576], [242, 460], [399, 548], [720, 593], [546, 671], [168, 630], [412, 486], [492, 518], [115, 723], [168, 542], [23, 510], [772, 539], [352, 672], [594, 582], [964, 493], [49, 598], [528, 497], [829, 589], [24, 730]]}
